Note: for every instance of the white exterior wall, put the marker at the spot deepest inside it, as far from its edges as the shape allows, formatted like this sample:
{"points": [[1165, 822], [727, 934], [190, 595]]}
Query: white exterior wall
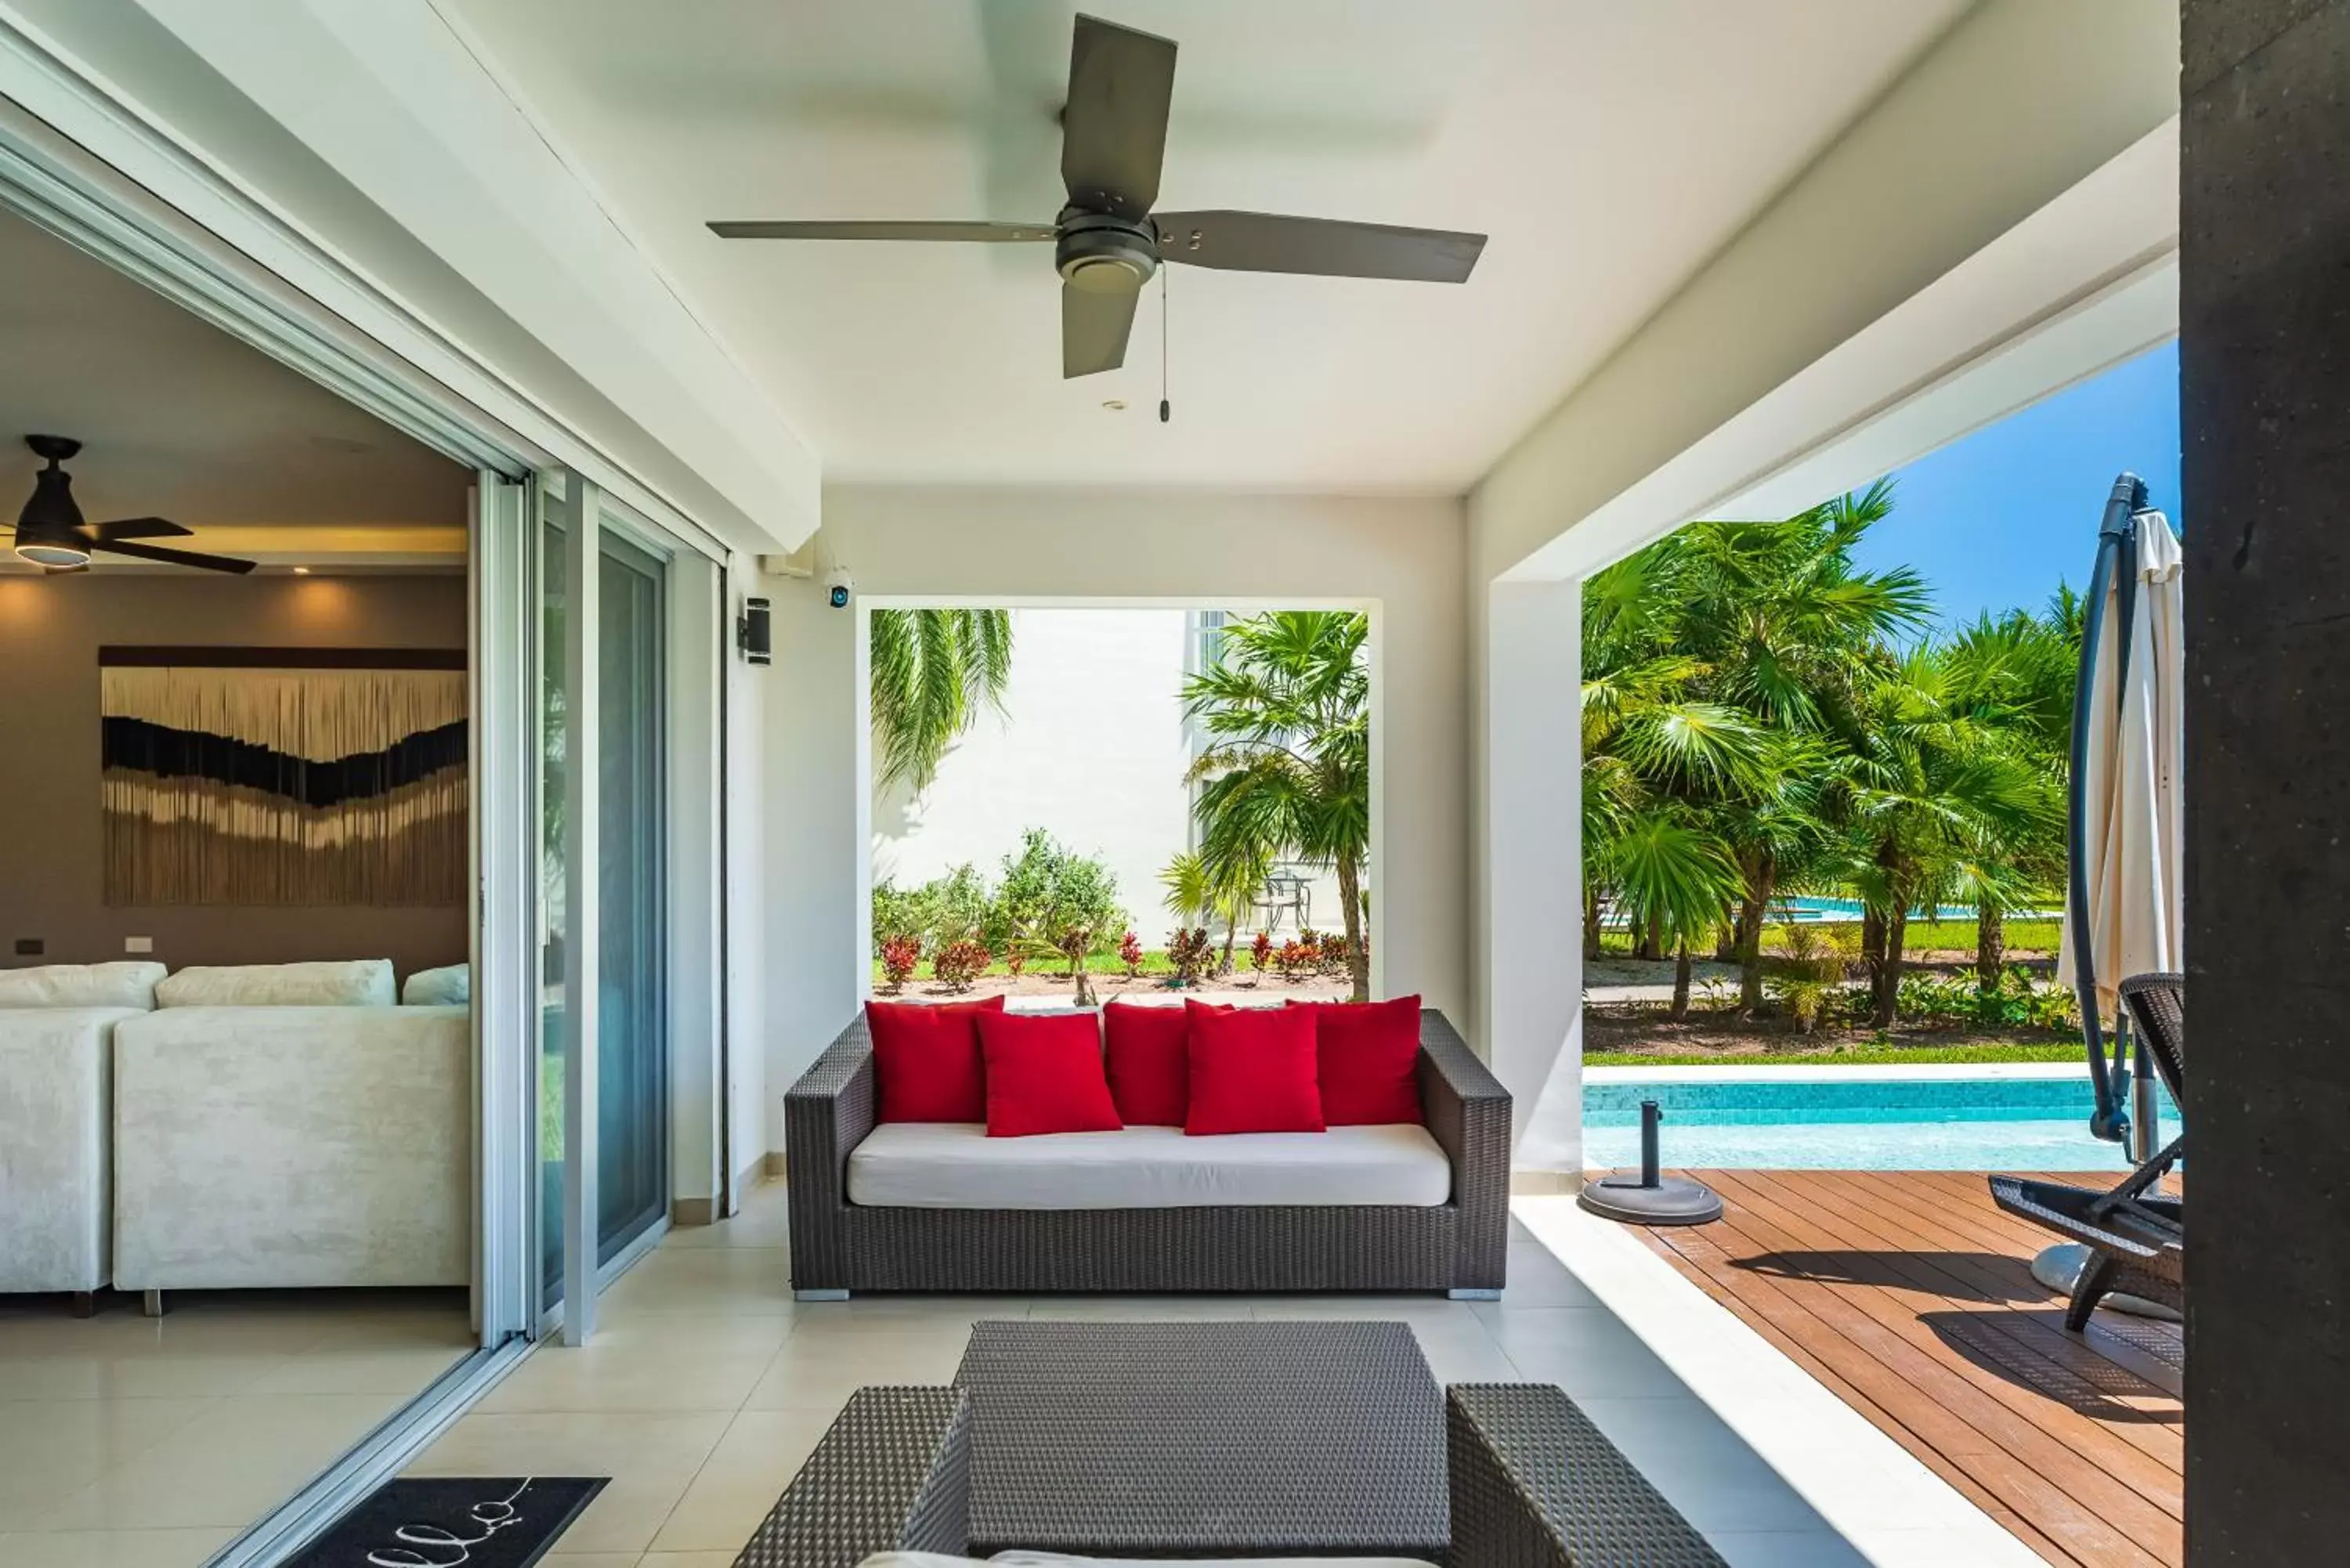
{"points": [[1090, 746], [1403, 557]]}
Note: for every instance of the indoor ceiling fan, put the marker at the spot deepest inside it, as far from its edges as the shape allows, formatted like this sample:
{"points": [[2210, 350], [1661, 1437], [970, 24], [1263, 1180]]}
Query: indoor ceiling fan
{"points": [[50, 532], [1107, 242]]}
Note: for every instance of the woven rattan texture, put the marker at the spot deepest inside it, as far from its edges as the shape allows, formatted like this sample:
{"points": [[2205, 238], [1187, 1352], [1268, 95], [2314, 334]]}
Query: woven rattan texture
{"points": [[1204, 1439], [892, 1473], [1534, 1485], [1460, 1244]]}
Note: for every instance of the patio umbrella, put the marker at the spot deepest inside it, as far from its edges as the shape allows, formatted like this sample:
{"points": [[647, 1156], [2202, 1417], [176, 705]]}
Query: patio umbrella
{"points": [[2122, 913], [2123, 900]]}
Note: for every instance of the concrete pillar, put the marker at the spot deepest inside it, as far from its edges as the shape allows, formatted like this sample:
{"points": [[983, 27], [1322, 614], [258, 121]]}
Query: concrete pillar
{"points": [[1530, 973], [2264, 314]]}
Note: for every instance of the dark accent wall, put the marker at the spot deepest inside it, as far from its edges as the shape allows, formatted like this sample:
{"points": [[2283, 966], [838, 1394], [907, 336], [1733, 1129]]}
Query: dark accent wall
{"points": [[50, 866], [2265, 317]]}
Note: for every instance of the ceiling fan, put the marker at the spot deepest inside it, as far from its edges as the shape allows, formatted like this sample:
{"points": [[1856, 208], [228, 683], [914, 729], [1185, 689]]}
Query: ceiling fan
{"points": [[1107, 242], [50, 532]]}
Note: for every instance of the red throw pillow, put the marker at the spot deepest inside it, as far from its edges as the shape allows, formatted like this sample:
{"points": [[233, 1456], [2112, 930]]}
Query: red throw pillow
{"points": [[1045, 1075], [1367, 1056], [926, 1059], [1252, 1070], [1150, 1062]]}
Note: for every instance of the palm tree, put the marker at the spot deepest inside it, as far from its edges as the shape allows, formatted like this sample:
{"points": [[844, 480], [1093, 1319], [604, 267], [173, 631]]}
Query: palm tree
{"points": [[932, 670], [1675, 878], [1286, 706], [1201, 890]]}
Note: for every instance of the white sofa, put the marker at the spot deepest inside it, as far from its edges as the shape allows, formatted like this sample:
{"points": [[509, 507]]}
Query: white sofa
{"points": [[266, 1147], [56, 1033]]}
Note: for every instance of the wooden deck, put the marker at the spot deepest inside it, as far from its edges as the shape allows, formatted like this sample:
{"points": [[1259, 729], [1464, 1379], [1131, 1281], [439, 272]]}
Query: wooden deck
{"points": [[1908, 1294]]}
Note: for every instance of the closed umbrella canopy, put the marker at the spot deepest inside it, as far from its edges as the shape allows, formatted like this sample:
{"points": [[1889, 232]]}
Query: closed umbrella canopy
{"points": [[2124, 905]]}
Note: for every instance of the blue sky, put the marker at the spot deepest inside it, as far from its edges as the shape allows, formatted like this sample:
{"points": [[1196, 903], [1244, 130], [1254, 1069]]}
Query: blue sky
{"points": [[1998, 519]]}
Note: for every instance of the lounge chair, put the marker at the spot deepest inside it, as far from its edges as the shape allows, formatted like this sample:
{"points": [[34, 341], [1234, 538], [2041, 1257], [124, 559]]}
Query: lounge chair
{"points": [[2135, 1242]]}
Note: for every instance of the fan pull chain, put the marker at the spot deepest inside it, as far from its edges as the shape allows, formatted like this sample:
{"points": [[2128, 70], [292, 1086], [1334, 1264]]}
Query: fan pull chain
{"points": [[1164, 411]]}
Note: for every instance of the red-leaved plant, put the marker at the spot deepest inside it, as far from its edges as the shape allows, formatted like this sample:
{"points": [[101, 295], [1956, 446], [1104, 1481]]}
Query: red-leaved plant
{"points": [[899, 957], [1130, 953], [1261, 951], [960, 963]]}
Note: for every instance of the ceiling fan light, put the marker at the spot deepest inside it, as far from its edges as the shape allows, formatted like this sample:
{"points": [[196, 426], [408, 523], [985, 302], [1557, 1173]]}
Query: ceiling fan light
{"points": [[54, 556]]}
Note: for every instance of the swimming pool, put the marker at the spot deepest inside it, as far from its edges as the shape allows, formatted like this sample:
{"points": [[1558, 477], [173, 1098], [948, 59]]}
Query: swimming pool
{"points": [[2030, 1117]]}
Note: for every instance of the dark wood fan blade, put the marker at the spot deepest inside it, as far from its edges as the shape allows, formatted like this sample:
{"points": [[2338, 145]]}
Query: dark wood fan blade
{"points": [[140, 528], [1094, 328], [174, 557], [1114, 130], [1327, 247], [972, 233]]}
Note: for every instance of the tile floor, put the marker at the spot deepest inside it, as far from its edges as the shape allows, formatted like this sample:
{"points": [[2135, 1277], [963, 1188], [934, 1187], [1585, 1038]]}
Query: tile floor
{"points": [[134, 1442], [707, 1386]]}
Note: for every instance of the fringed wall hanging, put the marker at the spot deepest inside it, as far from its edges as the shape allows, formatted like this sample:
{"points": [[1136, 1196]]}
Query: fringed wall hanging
{"points": [[278, 775]]}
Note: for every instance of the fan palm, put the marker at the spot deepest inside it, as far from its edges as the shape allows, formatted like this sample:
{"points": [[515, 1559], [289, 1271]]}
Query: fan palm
{"points": [[1675, 877], [932, 670], [1286, 708], [1201, 890]]}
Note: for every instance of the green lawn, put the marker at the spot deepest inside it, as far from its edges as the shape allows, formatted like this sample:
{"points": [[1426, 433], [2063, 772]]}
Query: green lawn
{"points": [[1924, 936], [1099, 963], [1847, 1056]]}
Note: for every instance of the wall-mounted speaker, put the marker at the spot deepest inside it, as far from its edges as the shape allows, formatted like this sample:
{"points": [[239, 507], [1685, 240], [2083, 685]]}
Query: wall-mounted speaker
{"points": [[752, 633]]}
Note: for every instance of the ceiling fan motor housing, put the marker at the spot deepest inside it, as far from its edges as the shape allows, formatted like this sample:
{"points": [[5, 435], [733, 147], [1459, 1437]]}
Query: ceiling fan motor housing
{"points": [[1104, 254]]}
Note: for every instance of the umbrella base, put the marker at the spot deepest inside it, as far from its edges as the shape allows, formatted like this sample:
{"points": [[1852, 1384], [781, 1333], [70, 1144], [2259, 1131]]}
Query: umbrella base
{"points": [[2059, 1268], [1674, 1200]]}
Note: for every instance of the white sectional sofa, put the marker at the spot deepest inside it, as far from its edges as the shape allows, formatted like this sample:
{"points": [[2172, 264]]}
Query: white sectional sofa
{"points": [[283, 1145], [56, 1064]]}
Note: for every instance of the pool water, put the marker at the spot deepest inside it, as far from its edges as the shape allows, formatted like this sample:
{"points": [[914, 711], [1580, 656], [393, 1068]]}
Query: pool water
{"points": [[1775, 1120]]}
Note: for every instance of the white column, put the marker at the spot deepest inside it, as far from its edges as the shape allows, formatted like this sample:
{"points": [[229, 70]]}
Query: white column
{"points": [[1531, 965], [700, 658], [582, 959]]}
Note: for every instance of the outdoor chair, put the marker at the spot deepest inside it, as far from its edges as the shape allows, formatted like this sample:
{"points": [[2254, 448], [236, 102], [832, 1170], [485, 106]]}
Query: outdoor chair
{"points": [[2135, 1242]]}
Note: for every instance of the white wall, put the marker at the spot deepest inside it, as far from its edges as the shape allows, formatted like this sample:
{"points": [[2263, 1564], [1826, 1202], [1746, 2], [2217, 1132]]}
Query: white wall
{"points": [[1090, 746], [1406, 556]]}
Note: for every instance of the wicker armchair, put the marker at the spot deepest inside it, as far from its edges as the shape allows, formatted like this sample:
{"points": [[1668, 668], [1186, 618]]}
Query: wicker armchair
{"points": [[1534, 1485], [1460, 1246], [2136, 1244]]}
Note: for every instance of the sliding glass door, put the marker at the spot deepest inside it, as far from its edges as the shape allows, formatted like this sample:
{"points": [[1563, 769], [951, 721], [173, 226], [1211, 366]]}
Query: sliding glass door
{"points": [[604, 1170], [633, 1046]]}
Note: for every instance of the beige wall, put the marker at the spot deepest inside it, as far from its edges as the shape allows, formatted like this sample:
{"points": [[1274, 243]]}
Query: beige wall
{"points": [[1405, 555], [50, 631]]}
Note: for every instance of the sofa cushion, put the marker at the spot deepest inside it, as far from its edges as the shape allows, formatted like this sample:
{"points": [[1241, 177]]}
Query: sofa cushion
{"points": [[926, 1059], [339, 982], [912, 1165], [1044, 1074], [1367, 1060], [1149, 1055], [1253, 1071], [450, 985], [81, 985]]}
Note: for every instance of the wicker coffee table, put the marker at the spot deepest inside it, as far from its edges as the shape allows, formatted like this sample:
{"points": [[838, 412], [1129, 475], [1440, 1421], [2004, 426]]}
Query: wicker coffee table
{"points": [[1204, 1439]]}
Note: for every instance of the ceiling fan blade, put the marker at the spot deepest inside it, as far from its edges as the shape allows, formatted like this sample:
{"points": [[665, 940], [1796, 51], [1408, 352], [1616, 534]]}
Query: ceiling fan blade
{"points": [[139, 528], [981, 232], [174, 557], [64, 571], [1114, 130], [1269, 242], [1094, 328]]}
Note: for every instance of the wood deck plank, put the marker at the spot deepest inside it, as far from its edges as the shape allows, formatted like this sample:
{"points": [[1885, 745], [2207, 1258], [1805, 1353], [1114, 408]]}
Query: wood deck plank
{"points": [[2077, 1457]]}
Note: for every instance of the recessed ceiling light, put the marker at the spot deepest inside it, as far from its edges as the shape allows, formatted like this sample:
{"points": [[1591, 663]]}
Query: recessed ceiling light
{"points": [[301, 571], [1115, 405]]}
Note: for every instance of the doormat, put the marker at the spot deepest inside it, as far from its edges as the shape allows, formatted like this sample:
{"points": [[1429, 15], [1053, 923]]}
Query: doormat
{"points": [[495, 1521]]}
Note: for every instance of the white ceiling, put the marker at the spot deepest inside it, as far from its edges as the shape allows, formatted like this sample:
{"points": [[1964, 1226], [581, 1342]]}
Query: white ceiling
{"points": [[179, 419], [1609, 149]]}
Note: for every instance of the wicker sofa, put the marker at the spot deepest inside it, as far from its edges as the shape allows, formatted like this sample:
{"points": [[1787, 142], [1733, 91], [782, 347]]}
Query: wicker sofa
{"points": [[1459, 1245], [1533, 1484]]}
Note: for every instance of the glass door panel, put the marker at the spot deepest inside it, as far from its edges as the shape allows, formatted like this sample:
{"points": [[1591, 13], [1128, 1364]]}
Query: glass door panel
{"points": [[552, 886], [633, 1050]]}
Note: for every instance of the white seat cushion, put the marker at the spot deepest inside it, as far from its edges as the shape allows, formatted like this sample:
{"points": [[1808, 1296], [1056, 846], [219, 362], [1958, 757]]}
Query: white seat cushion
{"points": [[450, 985], [956, 1165]]}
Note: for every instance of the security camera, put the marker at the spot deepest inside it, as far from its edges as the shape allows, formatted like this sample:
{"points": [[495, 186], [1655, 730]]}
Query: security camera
{"points": [[840, 587]]}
